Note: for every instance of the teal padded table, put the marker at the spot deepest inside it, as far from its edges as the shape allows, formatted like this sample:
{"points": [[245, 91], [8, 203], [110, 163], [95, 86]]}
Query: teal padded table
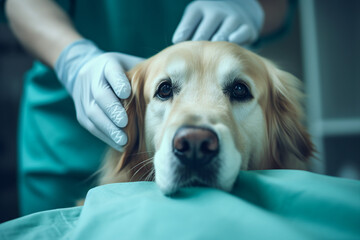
{"points": [[268, 204]]}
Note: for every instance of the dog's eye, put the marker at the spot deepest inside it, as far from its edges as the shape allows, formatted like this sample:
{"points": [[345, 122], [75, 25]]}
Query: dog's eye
{"points": [[239, 92], [164, 91]]}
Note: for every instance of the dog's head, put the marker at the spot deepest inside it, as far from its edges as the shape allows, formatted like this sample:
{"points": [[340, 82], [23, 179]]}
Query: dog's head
{"points": [[202, 111]]}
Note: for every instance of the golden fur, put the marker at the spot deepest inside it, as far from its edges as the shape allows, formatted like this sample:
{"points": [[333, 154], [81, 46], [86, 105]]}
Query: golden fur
{"points": [[264, 133]]}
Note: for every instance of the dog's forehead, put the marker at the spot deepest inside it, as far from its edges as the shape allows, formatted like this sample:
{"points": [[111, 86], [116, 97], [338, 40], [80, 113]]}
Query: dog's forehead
{"points": [[177, 65], [218, 65], [219, 61], [197, 56]]}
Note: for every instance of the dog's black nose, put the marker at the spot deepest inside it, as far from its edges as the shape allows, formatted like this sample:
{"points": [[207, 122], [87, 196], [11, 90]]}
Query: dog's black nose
{"points": [[195, 146]]}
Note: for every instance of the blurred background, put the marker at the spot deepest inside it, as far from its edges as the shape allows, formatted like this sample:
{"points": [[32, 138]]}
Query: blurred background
{"points": [[321, 47]]}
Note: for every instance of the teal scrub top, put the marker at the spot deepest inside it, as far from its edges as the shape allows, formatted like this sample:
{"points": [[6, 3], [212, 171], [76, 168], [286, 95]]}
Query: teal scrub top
{"points": [[57, 157]]}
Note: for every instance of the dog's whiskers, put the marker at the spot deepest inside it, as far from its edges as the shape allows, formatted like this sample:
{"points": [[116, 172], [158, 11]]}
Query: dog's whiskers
{"points": [[150, 175], [139, 170], [141, 162], [145, 163]]}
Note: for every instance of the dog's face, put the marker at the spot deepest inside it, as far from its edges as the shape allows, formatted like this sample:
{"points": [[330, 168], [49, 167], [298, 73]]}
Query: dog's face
{"points": [[203, 111]]}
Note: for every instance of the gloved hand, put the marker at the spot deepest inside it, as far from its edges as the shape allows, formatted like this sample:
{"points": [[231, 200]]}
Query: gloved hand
{"points": [[96, 80], [237, 21]]}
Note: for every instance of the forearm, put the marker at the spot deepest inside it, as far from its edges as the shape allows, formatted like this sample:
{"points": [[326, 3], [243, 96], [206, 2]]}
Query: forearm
{"points": [[42, 27], [275, 15]]}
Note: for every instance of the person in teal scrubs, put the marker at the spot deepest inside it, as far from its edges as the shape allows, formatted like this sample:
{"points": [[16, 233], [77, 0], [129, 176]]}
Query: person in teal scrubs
{"points": [[69, 109]]}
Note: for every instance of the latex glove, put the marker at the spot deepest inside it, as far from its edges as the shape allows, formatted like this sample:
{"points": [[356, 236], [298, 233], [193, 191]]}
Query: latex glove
{"points": [[96, 80], [237, 21]]}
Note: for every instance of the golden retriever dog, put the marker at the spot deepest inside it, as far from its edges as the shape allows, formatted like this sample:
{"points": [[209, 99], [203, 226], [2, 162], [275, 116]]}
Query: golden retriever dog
{"points": [[200, 112]]}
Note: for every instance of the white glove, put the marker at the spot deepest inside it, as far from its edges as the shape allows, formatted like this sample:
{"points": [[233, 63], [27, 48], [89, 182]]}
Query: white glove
{"points": [[96, 80], [237, 21]]}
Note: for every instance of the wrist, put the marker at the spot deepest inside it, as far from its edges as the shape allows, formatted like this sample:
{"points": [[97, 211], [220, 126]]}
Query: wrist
{"points": [[72, 59]]}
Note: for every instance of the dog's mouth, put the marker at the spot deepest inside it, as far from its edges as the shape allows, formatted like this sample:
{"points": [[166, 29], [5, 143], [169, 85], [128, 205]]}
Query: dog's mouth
{"points": [[198, 184], [185, 176]]}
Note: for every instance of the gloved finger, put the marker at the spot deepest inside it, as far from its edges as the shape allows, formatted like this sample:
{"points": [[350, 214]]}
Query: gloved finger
{"points": [[116, 77], [243, 35], [226, 29], [112, 107], [207, 27], [91, 127], [105, 128], [99, 134], [187, 25]]}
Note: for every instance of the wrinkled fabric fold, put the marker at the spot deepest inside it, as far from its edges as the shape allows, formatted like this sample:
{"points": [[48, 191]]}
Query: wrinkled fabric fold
{"points": [[268, 204]]}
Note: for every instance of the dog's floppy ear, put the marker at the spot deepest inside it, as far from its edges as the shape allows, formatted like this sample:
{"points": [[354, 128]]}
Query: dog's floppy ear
{"points": [[135, 107], [288, 139]]}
